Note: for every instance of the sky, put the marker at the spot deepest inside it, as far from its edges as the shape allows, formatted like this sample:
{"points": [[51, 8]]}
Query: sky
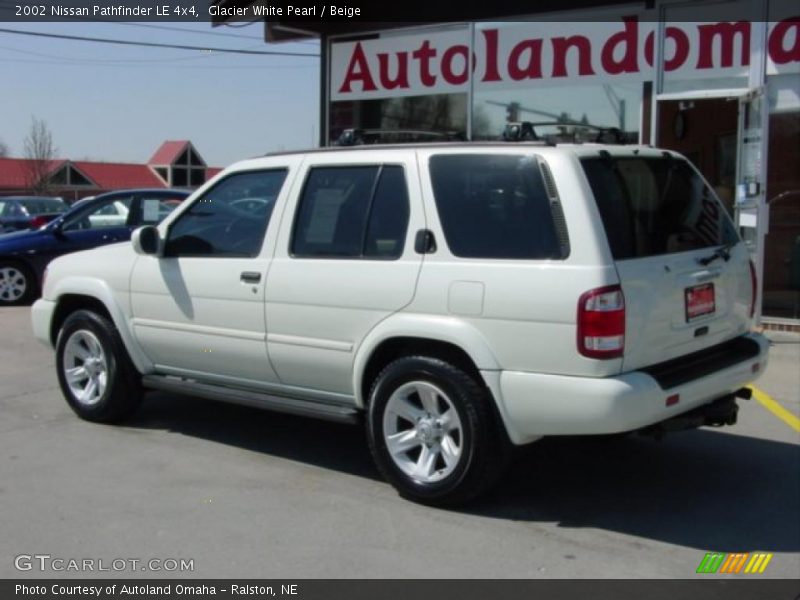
{"points": [[116, 103]]}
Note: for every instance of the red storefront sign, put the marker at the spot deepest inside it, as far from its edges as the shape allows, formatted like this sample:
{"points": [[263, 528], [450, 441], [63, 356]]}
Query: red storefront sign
{"points": [[525, 54]]}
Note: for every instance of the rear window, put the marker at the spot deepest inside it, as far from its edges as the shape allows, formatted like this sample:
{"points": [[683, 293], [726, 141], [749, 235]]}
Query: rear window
{"points": [[42, 206], [652, 206], [494, 206]]}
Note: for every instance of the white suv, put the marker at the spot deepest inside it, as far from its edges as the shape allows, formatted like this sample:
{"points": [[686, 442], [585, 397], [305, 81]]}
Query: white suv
{"points": [[461, 298]]}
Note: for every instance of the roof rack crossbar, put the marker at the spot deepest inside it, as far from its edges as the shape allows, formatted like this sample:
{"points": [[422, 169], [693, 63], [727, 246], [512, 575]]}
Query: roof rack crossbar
{"points": [[526, 130]]}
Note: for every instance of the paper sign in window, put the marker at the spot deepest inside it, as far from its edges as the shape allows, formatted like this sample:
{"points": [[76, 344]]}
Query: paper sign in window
{"points": [[150, 210]]}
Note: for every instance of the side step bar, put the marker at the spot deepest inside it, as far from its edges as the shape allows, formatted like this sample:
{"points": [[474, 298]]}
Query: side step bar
{"points": [[294, 406]]}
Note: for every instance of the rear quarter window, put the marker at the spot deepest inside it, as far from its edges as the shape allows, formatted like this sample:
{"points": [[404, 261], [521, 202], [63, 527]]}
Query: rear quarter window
{"points": [[654, 206], [494, 206]]}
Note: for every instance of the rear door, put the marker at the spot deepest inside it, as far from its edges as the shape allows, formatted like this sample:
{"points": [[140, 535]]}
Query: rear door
{"points": [[684, 272], [344, 261]]}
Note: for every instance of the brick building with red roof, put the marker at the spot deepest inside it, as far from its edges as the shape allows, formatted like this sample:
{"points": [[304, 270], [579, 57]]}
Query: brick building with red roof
{"points": [[174, 164]]}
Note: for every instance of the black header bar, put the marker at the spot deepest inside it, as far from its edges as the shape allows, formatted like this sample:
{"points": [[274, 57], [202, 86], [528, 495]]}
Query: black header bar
{"points": [[326, 17]]}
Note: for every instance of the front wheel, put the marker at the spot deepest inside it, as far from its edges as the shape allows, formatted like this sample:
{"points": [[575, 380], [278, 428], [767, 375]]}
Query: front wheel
{"points": [[95, 373], [433, 432], [17, 284]]}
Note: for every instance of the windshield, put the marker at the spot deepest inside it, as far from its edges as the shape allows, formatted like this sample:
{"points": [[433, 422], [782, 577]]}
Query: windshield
{"points": [[653, 206]]}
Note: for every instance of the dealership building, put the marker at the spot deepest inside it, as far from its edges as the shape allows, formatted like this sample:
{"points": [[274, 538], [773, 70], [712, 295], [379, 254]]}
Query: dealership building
{"points": [[176, 163], [718, 82]]}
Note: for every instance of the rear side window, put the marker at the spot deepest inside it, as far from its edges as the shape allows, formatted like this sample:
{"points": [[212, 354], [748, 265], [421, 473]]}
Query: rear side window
{"points": [[155, 208], [653, 206], [352, 212], [494, 206]]}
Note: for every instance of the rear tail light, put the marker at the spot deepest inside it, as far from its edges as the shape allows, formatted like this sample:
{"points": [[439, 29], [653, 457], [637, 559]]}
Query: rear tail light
{"points": [[601, 323], [753, 289], [37, 222]]}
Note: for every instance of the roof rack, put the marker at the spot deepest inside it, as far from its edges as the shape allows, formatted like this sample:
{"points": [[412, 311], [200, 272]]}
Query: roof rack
{"points": [[522, 131], [570, 131], [358, 137]]}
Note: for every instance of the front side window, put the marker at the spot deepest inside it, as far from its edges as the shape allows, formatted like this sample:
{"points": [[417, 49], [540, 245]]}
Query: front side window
{"points": [[352, 212], [107, 214], [494, 206], [230, 219], [652, 206]]}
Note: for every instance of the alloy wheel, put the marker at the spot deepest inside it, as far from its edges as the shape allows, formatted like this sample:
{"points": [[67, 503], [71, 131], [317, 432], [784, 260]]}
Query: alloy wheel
{"points": [[423, 431], [85, 367], [13, 284]]}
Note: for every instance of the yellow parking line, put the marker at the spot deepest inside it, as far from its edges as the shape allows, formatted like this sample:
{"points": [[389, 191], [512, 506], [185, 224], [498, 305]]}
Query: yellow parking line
{"points": [[776, 409]]}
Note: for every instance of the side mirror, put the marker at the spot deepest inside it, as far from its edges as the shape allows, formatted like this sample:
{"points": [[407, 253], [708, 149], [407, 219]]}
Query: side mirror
{"points": [[146, 241], [57, 228]]}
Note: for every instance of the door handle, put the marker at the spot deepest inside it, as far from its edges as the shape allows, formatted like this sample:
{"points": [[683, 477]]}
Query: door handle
{"points": [[424, 242], [250, 276]]}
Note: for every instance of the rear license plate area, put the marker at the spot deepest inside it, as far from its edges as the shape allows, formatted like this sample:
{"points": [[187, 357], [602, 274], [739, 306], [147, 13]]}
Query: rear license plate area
{"points": [[699, 301]]}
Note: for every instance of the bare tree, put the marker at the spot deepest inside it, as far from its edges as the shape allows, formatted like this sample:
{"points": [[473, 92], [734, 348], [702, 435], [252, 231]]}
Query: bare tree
{"points": [[40, 152], [3, 149]]}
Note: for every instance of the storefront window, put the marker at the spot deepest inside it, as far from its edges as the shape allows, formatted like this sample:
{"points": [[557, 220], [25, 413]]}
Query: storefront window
{"points": [[409, 80], [782, 253], [441, 113], [572, 73], [605, 105], [700, 53]]}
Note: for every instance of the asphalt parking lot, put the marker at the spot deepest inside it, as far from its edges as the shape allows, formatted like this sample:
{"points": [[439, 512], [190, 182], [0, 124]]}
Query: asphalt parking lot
{"points": [[256, 494]]}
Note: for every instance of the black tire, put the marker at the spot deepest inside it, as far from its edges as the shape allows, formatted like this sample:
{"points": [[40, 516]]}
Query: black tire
{"points": [[484, 447], [14, 275], [122, 391]]}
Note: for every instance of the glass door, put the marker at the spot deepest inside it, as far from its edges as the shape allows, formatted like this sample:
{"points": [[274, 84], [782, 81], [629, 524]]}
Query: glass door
{"points": [[723, 132], [751, 210]]}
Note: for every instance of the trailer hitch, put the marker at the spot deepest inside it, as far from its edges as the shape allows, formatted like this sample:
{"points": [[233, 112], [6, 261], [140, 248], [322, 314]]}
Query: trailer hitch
{"points": [[719, 413]]}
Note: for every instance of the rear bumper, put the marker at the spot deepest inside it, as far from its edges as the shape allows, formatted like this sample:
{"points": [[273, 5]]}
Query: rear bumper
{"points": [[41, 318], [535, 405]]}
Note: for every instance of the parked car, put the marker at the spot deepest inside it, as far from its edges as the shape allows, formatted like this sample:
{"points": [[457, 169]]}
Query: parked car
{"points": [[459, 298], [28, 212], [105, 219]]}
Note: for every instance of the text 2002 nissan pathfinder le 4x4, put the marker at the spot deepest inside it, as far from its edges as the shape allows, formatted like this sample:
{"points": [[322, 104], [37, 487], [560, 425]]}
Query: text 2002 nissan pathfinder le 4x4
{"points": [[460, 298]]}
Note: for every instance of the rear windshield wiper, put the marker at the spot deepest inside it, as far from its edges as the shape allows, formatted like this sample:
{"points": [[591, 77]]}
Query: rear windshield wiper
{"points": [[723, 252]]}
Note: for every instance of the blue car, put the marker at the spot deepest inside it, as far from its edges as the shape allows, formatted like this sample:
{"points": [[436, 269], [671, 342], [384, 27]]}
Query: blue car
{"points": [[106, 219], [28, 212]]}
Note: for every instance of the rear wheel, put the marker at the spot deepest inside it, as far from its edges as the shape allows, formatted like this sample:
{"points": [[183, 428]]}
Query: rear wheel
{"points": [[95, 373], [433, 432], [17, 285]]}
